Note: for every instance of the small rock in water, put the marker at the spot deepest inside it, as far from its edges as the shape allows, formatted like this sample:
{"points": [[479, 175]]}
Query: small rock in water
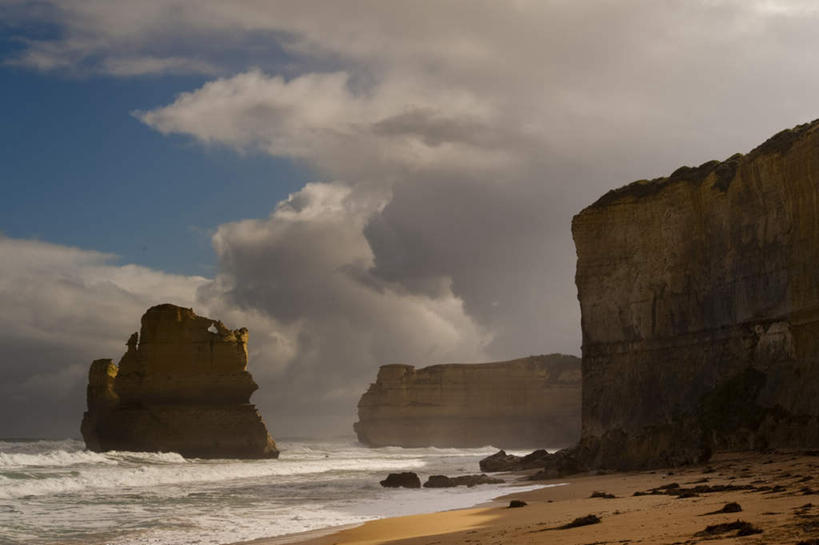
{"points": [[517, 503], [407, 479]]}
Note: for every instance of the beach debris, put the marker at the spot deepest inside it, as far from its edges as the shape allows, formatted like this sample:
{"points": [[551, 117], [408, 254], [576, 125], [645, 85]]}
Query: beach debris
{"points": [[699, 481], [687, 494], [731, 507], [442, 481], [606, 495], [742, 528], [803, 509], [517, 503], [581, 521], [809, 542], [674, 489], [407, 479]]}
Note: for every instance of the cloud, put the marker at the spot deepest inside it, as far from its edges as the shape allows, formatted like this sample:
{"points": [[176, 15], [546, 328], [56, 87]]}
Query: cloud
{"points": [[63, 308], [451, 148], [320, 324], [319, 119]]}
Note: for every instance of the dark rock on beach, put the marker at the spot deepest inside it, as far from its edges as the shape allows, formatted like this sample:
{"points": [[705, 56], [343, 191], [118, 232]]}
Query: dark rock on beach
{"points": [[406, 479], [604, 495], [741, 528], [442, 481], [500, 461], [581, 521], [560, 464]]}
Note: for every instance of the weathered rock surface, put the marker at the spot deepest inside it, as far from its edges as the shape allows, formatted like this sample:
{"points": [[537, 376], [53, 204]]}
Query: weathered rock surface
{"points": [[407, 479], [532, 401], [442, 481], [699, 296], [182, 386], [500, 461]]}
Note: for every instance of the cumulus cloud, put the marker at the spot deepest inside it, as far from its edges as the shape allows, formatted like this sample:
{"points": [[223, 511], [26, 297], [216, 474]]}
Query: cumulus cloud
{"points": [[318, 118], [62, 308], [451, 149], [320, 323]]}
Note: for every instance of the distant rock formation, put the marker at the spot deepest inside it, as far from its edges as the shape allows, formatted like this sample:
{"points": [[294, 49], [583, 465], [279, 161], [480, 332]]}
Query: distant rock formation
{"points": [[532, 401], [700, 309], [182, 386]]}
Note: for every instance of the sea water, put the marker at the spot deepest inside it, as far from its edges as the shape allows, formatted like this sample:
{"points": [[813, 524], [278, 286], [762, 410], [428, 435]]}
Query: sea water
{"points": [[56, 492]]}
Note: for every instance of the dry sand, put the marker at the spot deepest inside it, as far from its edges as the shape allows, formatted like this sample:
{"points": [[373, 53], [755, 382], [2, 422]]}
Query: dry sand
{"points": [[786, 515]]}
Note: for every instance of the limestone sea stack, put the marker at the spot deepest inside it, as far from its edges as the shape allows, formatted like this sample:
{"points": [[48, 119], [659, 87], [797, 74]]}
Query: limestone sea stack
{"points": [[699, 296], [182, 386], [527, 402]]}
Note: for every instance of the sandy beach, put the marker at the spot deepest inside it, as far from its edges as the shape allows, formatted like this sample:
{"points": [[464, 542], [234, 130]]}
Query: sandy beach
{"points": [[775, 493]]}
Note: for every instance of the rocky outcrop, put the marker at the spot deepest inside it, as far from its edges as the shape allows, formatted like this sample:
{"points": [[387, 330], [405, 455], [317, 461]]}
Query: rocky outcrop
{"points": [[442, 481], [182, 386], [407, 479], [500, 461], [699, 296], [532, 401]]}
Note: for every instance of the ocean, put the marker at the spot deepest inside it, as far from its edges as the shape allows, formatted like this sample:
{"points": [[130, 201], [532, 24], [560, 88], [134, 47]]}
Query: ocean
{"points": [[56, 492]]}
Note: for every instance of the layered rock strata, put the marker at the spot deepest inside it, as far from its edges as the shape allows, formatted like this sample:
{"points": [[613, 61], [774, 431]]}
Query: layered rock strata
{"points": [[532, 401], [699, 296], [182, 386]]}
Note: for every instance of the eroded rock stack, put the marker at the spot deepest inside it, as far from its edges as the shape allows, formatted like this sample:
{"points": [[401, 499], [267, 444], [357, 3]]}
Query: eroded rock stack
{"points": [[700, 309], [182, 386], [532, 401]]}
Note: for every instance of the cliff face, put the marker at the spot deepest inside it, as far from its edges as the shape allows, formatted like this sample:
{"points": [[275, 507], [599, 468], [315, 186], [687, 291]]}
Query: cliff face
{"points": [[699, 296], [533, 401], [182, 386]]}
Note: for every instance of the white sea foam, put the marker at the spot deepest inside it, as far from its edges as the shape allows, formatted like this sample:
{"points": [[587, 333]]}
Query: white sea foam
{"points": [[184, 472], [54, 491]]}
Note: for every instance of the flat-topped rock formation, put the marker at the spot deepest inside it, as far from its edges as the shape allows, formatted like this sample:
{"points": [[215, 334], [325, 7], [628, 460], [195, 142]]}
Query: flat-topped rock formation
{"points": [[699, 296], [182, 386], [532, 401]]}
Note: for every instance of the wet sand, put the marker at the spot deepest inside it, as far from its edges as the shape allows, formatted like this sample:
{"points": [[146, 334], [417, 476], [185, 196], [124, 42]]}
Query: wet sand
{"points": [[778, 495]]}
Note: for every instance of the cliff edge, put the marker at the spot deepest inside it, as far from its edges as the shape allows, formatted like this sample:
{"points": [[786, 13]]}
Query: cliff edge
{"points": [[527, 402], [699, 297], [182, 386]]}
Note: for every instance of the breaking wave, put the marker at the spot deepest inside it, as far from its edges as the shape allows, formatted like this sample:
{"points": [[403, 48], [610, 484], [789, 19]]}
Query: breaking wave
{"points": [[57, 492]]}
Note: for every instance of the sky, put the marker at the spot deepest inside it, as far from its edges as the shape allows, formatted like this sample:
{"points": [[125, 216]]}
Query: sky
{"points": [[357, 183]]}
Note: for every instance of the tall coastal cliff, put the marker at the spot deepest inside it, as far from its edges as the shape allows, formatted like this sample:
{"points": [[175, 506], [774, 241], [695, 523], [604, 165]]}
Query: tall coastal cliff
{"points": [[532, 401], [182, 386], [699, 296]]}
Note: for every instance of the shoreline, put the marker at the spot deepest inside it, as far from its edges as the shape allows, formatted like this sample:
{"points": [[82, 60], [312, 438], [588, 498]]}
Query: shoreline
{"points": [[775, 492], [317, 534]]}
